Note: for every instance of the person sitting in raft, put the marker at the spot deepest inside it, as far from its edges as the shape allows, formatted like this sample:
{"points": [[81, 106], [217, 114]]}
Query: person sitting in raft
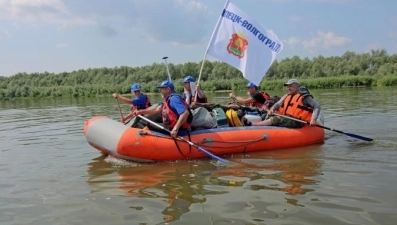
{"points": [[297, 103], [139, 102], [189, 91], [175, 112], [257, 98]]}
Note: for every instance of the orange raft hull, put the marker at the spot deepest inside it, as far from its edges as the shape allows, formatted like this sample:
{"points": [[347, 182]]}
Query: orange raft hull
{"points": [[141, 145]]}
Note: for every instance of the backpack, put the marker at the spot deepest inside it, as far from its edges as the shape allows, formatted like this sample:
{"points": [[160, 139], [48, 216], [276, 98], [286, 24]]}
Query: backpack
{"points": [[271, 101], [233, 118], [304, 91]]}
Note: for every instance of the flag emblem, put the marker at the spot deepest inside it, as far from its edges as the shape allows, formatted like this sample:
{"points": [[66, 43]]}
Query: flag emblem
{"points": [[243, 43], [237, 45]]}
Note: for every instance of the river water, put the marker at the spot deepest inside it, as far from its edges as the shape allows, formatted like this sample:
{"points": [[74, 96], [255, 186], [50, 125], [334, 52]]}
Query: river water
{"points": [[50, 175]]}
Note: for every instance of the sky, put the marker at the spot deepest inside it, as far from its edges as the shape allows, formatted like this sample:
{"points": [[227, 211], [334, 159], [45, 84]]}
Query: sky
{"points": [[65, 35]]}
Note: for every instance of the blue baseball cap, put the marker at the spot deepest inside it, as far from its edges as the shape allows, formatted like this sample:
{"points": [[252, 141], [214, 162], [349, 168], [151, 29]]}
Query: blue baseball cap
{"points": [[250, 84], [165, 84], [136, 87], [189, 79]]}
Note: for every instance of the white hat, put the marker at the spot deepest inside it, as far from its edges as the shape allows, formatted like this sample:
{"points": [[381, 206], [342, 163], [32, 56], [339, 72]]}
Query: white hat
{"points": [[291, 81]]}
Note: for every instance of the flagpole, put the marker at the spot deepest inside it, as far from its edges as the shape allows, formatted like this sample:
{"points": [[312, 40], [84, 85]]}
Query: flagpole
{"points": [[209, 43]]}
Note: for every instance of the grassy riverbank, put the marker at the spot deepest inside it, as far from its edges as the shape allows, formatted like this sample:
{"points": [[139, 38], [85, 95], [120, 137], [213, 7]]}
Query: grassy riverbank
{"points": [[374, 68], [208, 86], [311, 83]]}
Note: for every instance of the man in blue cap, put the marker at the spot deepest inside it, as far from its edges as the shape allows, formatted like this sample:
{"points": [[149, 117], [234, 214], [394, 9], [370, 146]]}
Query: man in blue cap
{"points": [[257, 98], [175, 112], [190, 89], [139, 102]]}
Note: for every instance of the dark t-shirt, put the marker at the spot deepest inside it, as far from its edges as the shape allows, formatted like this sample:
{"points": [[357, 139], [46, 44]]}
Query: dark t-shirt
{"points": [[258, 97]]}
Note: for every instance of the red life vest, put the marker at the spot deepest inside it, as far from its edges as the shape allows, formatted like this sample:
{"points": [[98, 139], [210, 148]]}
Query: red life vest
{"points": [[293, 106], [147, 104], [170, 116], [265, 96]]}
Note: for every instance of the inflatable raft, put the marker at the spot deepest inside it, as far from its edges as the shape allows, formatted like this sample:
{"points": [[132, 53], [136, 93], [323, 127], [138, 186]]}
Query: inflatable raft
{"points": [[142, 145]]}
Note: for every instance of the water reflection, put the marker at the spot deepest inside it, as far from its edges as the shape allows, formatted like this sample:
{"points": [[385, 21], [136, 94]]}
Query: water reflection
{"points": [[44, 177], [182, 184], [292, 171], [177, 183]]}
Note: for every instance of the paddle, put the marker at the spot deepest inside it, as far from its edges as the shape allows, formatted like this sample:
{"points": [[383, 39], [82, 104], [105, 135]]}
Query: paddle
{"points": [[328, 128], [166, 66], [118, 104], [121, 114], [129, 120], [189, 142]]}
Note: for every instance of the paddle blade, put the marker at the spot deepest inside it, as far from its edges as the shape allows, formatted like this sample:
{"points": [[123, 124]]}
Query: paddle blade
{"points": [[358, 136], [212, 155]]}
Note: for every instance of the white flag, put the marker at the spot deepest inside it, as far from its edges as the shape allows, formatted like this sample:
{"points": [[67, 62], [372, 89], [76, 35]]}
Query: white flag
{"points": [[244, 44]]}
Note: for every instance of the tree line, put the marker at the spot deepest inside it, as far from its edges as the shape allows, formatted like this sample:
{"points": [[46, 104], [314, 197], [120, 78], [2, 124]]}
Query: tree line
{"points": [[376, 67]]}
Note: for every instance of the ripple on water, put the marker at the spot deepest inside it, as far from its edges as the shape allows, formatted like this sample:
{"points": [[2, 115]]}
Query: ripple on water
{"points": [[50, 175]]}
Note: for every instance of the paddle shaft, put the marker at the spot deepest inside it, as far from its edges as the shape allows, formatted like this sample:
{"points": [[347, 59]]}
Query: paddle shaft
{"points": [[118, 104], [328, 128], [129, 120], [166, 66], [302, 121], [183, 139]]}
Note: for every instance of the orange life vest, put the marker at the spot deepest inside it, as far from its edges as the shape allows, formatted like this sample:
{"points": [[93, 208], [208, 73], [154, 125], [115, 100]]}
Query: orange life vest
{"points": [[170, 116], [293, 106]]}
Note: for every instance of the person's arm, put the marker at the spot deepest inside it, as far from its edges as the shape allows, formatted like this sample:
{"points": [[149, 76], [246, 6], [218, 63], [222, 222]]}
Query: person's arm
{"points": [[122, 98], [200, 92], [131, 114], [276, 105], [316, 109], [182, 118], [240, 99], [148, 111], [183, 112]]}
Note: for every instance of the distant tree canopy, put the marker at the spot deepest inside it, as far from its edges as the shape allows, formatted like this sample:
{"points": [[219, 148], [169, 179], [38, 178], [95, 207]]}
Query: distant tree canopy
{"points": [[372, 68]]}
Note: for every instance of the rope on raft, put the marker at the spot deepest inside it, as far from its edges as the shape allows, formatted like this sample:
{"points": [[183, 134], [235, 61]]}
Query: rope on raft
{"points": [[208, 143]]}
